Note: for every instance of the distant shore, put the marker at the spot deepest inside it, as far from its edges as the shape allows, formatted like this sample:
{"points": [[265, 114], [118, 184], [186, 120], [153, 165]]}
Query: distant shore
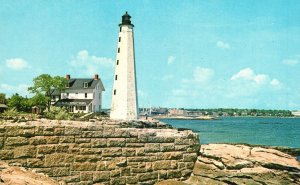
{"points": [[187, 117], [217, 118]]}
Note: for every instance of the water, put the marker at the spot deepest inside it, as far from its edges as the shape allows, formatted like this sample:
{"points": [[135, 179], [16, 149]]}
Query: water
{"points": [[260, 131]]}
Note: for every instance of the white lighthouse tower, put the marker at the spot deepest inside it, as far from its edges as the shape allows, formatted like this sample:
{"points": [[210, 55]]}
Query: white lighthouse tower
{"points": [[124, 94]]}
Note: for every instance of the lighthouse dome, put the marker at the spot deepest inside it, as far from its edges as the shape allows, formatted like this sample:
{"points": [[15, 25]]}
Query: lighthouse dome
{"points": [[126, 19]]}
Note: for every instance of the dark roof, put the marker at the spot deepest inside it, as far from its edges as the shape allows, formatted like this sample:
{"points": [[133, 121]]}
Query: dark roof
{"points": [[64, 102], [77, 85]]}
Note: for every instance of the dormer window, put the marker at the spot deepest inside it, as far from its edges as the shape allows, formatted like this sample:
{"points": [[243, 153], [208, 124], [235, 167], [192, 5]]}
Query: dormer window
{"points": [[85, 85], [67, 85]]}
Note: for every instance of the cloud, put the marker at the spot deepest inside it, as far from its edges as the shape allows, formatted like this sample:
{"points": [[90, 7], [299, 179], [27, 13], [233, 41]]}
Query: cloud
{"points": [[249, 75], [290, 62], [261, 78], [10, 89], [203, 74], [16, 64], [171, 60], [222, 45], [85, 64], [246, 73], [275, 82]]}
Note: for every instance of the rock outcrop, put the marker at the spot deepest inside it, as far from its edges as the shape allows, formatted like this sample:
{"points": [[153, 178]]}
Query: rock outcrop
{"points": [[240, 164], [12, 175]]}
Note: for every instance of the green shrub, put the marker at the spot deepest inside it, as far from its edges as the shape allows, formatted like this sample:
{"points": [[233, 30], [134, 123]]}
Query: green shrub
{"points": [[11, 113], [58, 113]]}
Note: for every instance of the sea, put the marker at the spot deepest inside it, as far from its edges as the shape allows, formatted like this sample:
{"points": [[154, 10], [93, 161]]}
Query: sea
{"points": [[250, 130]]}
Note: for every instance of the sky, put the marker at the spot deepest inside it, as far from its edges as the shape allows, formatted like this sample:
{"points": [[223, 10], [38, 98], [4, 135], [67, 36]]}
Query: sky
{"points": [[189, 54]]}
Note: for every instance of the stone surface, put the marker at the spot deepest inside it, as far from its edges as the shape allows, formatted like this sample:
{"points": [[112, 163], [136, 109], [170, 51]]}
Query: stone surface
{"points": [[220, 164]]}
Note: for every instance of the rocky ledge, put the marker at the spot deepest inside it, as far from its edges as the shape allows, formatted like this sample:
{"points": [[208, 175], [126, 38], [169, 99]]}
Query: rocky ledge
{"points": [[13, 175], [240, 164]]}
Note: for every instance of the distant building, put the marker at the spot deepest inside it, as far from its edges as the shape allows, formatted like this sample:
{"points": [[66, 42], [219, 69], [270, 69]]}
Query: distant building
{"points": [[296, 113], [81, 95], [177, 112], [194, 113], [159, 111]]}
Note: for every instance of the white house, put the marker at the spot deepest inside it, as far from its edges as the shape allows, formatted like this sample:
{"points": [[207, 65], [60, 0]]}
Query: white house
{"points": [[80, 95]]}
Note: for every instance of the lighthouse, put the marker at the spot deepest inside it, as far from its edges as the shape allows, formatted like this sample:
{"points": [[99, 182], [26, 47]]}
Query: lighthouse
{"points": [[124, 93]]}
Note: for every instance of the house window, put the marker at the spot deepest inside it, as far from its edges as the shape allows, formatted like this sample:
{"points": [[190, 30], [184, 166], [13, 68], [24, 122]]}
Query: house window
{"points": [[115, 92], [85, 85], [120, 29], [116, 77], [119, 39], [67, 85], [67, 95], [80, 107], [117, 62], [85, 95], [118, 50]]}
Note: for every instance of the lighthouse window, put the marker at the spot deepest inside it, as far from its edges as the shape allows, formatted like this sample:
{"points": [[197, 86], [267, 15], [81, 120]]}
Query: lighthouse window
{"points": [[118, 50], [117, 62], [120, 29], [116, 77], [115, 92], [119, 39]]}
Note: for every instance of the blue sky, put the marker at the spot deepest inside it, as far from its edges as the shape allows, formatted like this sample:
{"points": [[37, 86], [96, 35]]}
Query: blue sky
{"points": [[190, 54]]}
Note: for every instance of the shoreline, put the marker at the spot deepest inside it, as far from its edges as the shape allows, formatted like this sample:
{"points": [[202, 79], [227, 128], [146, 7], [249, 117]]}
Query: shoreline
{"points": [[219, 117]]}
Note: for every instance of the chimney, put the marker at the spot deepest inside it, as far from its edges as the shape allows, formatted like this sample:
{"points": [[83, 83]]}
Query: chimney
{"points": [[96, 77], [68, 77]]}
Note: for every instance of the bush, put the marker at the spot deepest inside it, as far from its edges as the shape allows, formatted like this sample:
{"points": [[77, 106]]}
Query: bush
{"points": [[58, 113], [11, 113]]}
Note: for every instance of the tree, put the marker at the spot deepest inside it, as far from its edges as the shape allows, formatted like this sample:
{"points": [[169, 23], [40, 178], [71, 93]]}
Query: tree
{"points": [[46, 84], [39, 100], [2, 98], [18, 102]]}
